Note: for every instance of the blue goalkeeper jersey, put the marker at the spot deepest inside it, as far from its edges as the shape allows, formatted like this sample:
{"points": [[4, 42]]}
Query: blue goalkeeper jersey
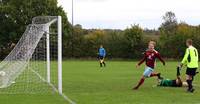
{"points": [[102, 52]]}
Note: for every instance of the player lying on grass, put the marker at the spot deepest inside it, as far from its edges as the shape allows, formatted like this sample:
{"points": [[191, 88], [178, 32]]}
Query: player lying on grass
{"points": [[149, 57], [173, 83], [102, 55]]}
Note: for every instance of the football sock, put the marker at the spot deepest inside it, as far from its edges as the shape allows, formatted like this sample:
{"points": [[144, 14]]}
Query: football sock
{"points": [[189, 84], [178, 71], [153, 74], [104, 64], [100, 64], [156, 74], [140, 82]]}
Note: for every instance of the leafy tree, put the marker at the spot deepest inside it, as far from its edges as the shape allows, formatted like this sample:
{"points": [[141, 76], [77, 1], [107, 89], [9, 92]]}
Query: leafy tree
{"points": [[92, 42], [168, 31], [17, 14], [169, 26], [77, 41], [175, 45], [133, 38], [116, 44]]}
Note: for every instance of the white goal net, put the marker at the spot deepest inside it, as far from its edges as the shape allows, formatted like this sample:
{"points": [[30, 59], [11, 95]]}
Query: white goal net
{"points": [[35, 63]]}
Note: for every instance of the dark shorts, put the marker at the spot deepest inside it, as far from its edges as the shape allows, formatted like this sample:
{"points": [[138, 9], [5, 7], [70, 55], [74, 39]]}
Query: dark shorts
{"points": [[174, 83], [191, 71], [101, 57]]}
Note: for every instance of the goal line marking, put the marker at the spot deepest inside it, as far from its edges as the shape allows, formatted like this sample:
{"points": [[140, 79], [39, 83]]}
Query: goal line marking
{"points": [[54, 88]]}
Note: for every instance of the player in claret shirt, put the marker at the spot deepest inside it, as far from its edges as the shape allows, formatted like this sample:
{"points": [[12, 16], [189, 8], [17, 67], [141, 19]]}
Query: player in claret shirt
{"points": [[149, 57]]}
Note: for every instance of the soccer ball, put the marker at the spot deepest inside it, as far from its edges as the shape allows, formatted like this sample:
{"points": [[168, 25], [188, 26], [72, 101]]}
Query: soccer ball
{"points": [[2, 73], [3, 79]]}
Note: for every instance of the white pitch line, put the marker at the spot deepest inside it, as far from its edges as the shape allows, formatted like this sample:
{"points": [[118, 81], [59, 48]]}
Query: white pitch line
{"points": [[54, 88]]}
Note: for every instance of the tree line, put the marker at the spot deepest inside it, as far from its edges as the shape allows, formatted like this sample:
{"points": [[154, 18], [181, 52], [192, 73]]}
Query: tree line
{"points": [[132, 42], [78, 42]]}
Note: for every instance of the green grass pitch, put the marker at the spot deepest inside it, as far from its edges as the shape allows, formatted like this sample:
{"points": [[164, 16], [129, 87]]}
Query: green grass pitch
{"points": [[86, 83]]}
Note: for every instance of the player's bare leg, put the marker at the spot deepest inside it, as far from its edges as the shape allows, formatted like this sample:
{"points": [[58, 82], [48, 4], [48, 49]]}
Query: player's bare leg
{"points": [[103, 62], [100, 62]]}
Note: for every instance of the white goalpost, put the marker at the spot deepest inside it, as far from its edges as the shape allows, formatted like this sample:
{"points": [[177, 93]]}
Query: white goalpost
{"points": [[35, 63], [60, 54]]}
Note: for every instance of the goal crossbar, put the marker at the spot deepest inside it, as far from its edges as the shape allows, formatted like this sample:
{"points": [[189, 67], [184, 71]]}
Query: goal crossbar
{"points": [[17, 60]]}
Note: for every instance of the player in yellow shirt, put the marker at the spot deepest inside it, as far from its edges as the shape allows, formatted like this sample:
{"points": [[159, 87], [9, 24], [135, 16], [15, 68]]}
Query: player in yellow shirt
{"points": [[191, 61]]}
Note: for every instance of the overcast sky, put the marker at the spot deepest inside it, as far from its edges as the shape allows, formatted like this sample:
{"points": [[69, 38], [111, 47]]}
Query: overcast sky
{"points": [[118, 14]]}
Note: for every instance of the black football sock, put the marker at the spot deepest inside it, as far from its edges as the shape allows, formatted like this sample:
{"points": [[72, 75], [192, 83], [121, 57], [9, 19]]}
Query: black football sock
{"points": [[100, 64], [104, 64], [189, 84], [178, 71]]}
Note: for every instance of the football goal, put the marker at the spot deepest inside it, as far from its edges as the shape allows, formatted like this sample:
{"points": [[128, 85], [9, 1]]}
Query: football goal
{"points": [[35, 63]]}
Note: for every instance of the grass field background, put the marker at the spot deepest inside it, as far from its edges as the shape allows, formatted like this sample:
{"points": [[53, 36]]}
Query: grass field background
{"points": [[86, 83]]}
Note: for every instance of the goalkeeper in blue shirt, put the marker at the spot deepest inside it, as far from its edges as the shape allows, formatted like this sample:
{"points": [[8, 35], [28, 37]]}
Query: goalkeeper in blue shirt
{"points": [[102, 55]]}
